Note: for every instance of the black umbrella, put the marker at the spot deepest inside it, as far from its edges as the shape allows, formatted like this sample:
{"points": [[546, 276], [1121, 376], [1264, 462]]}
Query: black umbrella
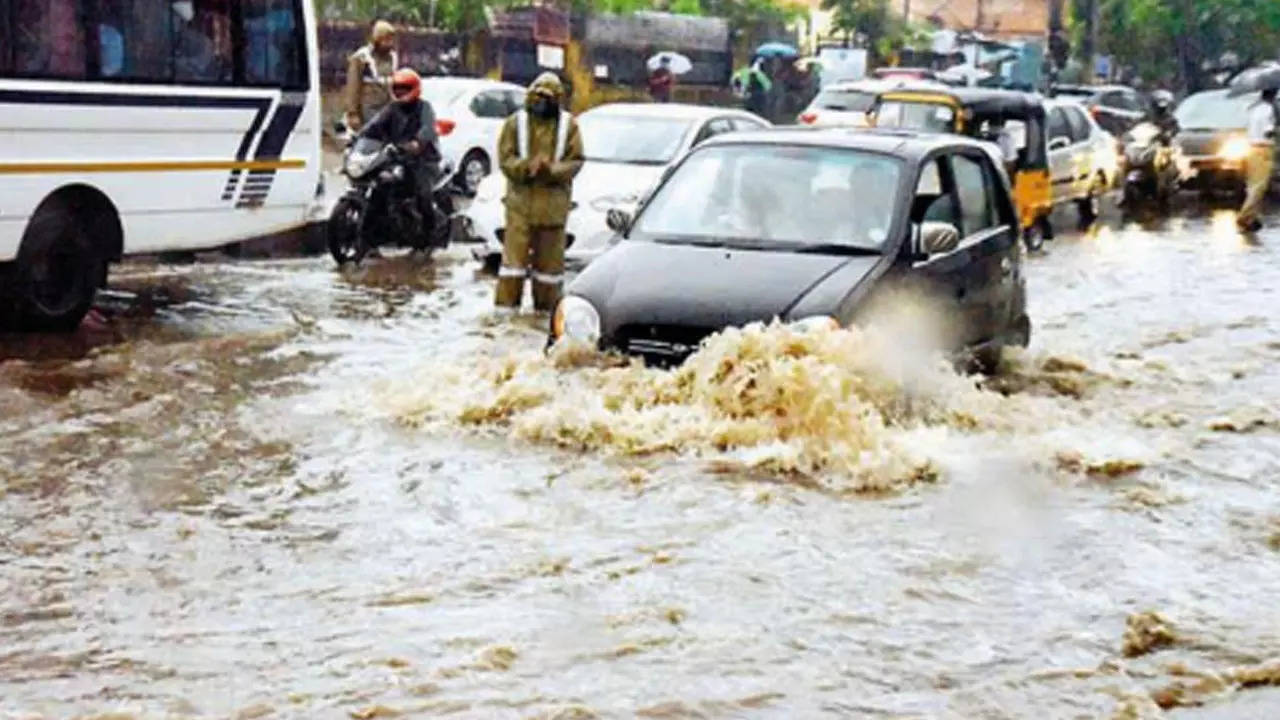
{"points": [[1255, 79]]}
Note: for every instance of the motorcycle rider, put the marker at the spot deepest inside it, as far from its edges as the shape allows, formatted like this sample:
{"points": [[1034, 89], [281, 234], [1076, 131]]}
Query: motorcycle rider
{"points": [[1162, 116], [409, 123], [540, 152], [369, 76]]}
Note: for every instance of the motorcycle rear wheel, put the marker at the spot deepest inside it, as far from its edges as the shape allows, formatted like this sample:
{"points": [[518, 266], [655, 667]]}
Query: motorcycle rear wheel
{"points": [[346, 244]]}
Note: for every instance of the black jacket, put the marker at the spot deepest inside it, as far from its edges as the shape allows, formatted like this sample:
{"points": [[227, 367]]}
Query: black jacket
{"points": [[401, 122]]}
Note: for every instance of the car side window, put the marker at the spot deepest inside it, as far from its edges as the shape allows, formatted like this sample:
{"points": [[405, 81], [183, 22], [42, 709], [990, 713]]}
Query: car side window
{"points": [[1080, 130], [491, 104], [934, 201], [1058, 128], [977, 201]]}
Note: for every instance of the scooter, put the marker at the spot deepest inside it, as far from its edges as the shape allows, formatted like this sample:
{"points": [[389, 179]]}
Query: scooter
{"points": [[1151, 169], [381, 208]]}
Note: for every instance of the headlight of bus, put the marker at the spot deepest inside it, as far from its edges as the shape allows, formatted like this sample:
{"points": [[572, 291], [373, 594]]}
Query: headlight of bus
{"points": [[576, 319], [1235, 149]]}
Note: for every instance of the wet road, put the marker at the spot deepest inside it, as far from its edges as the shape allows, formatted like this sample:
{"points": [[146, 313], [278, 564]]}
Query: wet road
{"points": [[267, 489]]}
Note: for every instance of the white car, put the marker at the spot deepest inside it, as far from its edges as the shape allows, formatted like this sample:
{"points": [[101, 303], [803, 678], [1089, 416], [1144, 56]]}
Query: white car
{"points": [[846, 104], [1083, 158], [469, 116], [627, 147]]}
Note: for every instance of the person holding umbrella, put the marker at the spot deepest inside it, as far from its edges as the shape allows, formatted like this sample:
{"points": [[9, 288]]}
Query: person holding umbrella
{"points": [[1260, 128], [663, 69]]}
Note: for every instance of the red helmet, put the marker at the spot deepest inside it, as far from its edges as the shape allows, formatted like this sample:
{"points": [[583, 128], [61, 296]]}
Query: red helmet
{"points": [[406, 86]]}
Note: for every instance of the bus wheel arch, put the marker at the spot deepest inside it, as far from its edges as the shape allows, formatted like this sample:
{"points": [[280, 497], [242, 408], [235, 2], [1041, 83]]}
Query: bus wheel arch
{"points": [[62, 259]]}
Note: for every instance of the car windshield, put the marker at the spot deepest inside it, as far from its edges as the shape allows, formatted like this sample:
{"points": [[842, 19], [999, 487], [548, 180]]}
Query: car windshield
{"points": [[776, 197], [1214, 111], [631, 139], [844, 99], [929, 117]]}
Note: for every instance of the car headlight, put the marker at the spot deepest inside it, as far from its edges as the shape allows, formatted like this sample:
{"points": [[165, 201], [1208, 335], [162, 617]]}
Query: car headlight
{"points": [[1237, 148], [817, 322], [576, 318]]}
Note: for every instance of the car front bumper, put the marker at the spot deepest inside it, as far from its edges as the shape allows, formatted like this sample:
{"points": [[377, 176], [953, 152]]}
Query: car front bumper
{"points": [[1211, 171], [588, 233]]}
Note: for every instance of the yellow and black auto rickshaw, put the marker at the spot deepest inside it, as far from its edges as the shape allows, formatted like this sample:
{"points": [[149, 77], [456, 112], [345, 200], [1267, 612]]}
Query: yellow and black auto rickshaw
{"points": [[1014, 121]]}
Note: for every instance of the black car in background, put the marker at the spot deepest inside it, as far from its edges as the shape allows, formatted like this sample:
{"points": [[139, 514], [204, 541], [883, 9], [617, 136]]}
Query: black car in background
{"points": [[1117, 108], [1212, 139], [822, 226]]}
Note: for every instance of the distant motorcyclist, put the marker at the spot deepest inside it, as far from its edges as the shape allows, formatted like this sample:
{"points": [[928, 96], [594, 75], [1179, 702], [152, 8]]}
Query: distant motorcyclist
{"points": [[409, 123], [369, 76], [1162, 116]]}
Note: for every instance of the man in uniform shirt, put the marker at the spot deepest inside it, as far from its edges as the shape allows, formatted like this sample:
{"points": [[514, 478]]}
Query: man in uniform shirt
{"points": [[1261, 129]]}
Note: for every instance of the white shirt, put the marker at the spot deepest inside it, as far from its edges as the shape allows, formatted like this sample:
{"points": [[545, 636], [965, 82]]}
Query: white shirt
{"points": [[1261, 123]]}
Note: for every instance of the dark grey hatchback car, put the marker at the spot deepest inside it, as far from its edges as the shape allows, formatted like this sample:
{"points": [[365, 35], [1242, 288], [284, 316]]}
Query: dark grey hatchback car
{"points": [[800, 224]]}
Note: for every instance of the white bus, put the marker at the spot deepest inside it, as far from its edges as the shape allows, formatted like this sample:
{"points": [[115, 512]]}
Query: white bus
{"points": [[139, 126]]}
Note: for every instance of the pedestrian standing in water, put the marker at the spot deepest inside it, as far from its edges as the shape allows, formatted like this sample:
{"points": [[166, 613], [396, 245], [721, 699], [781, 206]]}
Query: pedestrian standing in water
{"points": [[1261, 130], [369, 71], [540, 152]]}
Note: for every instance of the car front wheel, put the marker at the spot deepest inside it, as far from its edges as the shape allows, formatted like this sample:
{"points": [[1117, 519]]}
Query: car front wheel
{"points": [[475, 168]]}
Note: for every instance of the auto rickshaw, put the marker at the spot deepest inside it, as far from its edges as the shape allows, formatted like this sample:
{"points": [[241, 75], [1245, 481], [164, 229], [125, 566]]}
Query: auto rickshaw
{"points": [[1015, 121]]}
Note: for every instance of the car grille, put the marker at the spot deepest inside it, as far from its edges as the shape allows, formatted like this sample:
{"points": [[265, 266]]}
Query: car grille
{"points": [[660, 344], [1199, 146]]}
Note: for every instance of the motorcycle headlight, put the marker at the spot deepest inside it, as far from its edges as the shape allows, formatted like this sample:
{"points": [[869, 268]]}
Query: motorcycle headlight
{"points": [[358, 164], [576, 318], [1237, 148]]}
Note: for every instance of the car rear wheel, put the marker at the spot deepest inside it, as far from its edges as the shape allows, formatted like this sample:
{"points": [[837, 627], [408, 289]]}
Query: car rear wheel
{"points": [[475, 168], [58, 271]]}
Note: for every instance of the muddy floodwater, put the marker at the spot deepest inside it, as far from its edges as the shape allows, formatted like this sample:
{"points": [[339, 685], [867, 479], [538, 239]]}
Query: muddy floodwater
{"points": [[267, 489]]}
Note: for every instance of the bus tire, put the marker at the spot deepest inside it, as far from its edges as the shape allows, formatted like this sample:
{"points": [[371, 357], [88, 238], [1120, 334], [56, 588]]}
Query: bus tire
{"points": [[58, 270]]}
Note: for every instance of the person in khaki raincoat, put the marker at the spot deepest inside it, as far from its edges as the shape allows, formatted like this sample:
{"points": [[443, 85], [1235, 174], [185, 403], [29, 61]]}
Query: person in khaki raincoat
{"points": [[540, 152], [369, 71]]}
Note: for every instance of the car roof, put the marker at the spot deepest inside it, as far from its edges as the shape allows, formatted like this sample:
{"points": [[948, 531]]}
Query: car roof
{"points": [[907, 144], [666, 110], [878, 85]]}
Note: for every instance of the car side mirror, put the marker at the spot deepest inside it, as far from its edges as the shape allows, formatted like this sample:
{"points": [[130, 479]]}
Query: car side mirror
{"points": [[938, 237], [1059, 143], [618, 221]]}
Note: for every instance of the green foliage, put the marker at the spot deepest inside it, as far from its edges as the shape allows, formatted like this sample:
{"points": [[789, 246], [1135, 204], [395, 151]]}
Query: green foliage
{"points": [[1183, 40], [872, 21]]}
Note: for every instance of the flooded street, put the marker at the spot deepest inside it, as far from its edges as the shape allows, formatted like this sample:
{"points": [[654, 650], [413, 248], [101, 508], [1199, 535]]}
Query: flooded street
{"points": [[267, 489]]}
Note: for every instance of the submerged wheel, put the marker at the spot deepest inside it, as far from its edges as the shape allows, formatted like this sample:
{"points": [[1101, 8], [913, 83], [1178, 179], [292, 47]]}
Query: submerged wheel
{"points": [[1090, 206], [1033, 236], [343, 232], [475, 168], [58, 271]]}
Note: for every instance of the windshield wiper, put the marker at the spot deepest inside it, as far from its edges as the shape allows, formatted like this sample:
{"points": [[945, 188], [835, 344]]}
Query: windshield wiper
{"points": [[834, 249], [687, 240]]}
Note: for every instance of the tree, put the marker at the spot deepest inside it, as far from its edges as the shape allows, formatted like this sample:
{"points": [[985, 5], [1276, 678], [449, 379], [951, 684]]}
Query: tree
{"points": [[872, 21]]}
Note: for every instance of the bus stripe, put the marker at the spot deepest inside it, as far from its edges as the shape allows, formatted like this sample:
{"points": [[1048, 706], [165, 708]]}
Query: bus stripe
{"points": [[149, 166]]}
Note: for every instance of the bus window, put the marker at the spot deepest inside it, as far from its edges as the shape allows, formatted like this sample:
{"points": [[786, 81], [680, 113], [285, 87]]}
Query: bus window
{"points": [[273, 48], [6, 42], [48, 40], [201, 41]]}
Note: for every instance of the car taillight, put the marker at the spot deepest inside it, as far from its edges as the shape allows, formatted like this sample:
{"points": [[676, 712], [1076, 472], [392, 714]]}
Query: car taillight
{"points": [[444, 127], [809, 118]]}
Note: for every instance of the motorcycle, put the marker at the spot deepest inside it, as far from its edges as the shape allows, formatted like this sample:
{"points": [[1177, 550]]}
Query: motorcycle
{"points": [[1151, 170], [380, 207]]}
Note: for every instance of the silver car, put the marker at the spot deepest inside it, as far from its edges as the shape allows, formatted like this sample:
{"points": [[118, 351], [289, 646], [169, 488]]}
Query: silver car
{"points": [[627, 147], [1083, 158]]}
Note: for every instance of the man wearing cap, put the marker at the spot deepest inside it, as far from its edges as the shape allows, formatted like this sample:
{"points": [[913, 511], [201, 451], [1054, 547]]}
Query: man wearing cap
{"points": [[540, 152], [369, 71]]}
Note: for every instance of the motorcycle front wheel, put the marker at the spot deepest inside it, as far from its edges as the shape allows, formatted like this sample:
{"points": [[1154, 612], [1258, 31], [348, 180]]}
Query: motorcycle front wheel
{"points": [[345, 243]]}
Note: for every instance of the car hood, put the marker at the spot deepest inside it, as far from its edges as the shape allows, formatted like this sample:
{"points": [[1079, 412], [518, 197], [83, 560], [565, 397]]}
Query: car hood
{"points": [[638, 282], [595, 180]]}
